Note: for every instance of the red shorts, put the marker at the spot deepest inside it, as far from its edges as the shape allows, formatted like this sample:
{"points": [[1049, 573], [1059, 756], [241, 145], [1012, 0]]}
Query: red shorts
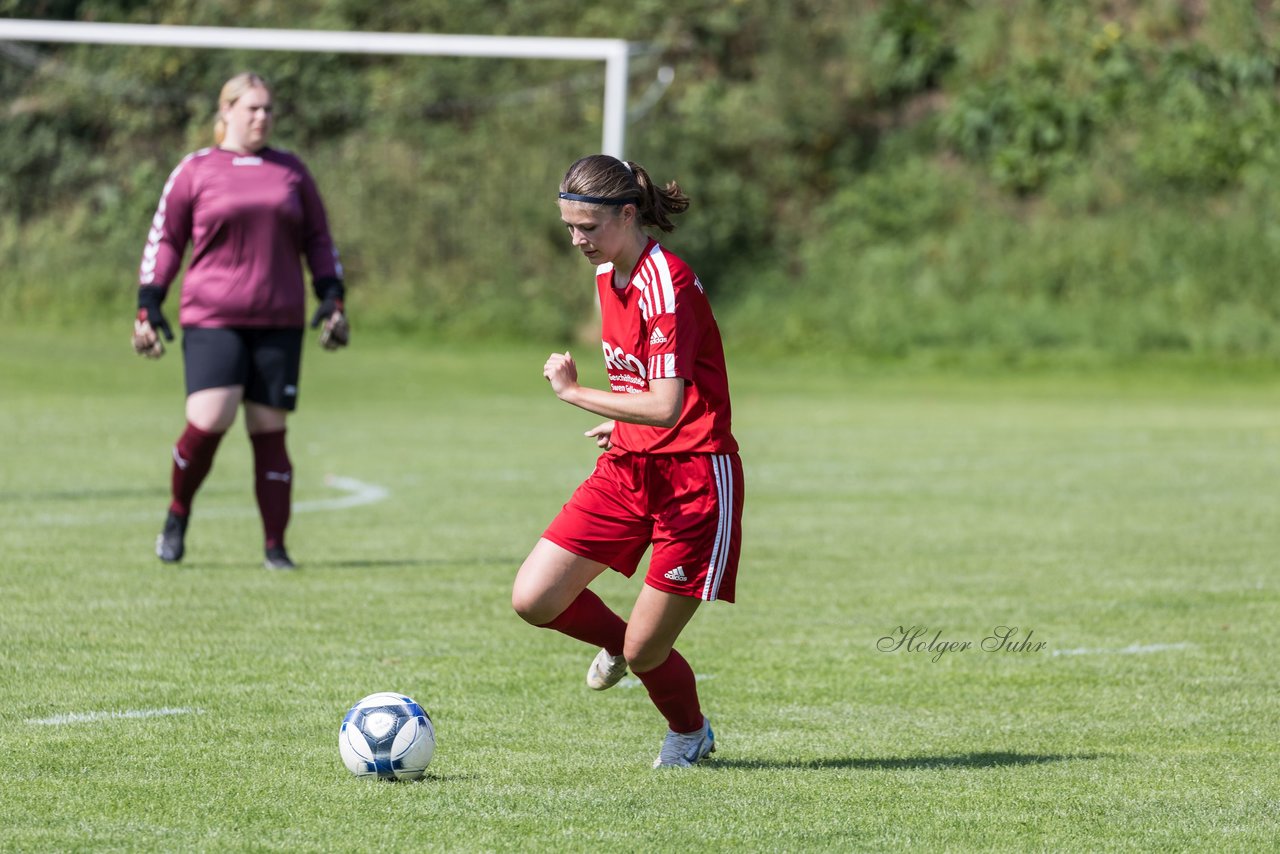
{"points": [[687, 506]]}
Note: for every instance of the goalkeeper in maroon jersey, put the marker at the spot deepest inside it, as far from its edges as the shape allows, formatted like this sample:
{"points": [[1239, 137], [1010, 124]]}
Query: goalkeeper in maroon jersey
{"points": [[669, 479], [251, 214]]}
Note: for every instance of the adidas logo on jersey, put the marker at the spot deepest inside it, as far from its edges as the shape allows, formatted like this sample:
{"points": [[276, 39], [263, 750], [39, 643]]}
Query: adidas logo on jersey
{"points": [[657, 337], [676, 574]]}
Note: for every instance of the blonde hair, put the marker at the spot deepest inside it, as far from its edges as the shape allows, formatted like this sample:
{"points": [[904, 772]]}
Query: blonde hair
{"points": [[231, 92]]}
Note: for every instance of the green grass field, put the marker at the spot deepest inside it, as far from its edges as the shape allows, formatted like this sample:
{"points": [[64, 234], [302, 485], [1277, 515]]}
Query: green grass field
{"points": [[1127, 519]]}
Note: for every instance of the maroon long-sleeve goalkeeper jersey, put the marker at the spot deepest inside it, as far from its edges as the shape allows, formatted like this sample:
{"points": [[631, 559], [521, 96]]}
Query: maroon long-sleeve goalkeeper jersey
{"points": [[250, 219]]}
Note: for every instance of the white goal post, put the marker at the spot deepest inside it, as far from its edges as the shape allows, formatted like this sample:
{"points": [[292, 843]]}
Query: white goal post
{"points": [[615, 53]]}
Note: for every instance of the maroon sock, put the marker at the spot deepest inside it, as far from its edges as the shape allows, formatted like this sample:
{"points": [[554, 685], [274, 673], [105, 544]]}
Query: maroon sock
{"points": [[273, 484], [588, 619], [192, 459], [674, 691]]}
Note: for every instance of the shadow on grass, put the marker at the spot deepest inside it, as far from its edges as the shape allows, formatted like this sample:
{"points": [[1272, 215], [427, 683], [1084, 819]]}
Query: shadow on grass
{"points": [[25, 497], [962, 760], [369, 563], [379, 563], [321, 565]]}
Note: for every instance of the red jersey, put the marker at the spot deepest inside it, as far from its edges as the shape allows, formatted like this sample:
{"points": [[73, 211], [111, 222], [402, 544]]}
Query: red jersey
{"points": [[249, 218], [660, 326]]}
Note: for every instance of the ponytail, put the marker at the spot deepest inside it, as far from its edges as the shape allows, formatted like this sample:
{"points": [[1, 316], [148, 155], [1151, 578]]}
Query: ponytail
{"points": [[658, 204]]}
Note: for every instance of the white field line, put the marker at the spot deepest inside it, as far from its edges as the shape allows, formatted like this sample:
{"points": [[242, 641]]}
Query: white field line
{"points": [[89, 717], [357, 494], [1133, 649]]}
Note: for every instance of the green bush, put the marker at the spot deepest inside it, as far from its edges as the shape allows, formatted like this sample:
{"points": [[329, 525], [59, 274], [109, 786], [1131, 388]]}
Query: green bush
{"points": [[1023, 126], [1208, 118]]}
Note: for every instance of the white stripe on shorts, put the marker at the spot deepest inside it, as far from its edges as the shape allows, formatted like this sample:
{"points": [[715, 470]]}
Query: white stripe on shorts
{"points": [[723, 470]]}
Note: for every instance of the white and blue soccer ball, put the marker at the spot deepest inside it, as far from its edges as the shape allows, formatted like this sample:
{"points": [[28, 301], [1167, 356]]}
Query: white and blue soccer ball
{"points": [[387, 736]]}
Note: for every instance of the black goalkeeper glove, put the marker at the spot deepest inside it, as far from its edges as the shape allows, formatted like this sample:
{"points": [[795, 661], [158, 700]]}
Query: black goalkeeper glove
{"points": [[336, 332], [150, 324], [149, 299]]}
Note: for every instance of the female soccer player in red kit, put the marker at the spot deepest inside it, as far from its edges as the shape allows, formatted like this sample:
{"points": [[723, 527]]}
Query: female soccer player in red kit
{"points": [[669, 477], [250, 214]]}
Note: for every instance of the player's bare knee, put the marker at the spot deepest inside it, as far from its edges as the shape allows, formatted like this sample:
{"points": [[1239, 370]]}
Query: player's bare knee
{"points": [[642, 655], [526, 608], [532, 608]]}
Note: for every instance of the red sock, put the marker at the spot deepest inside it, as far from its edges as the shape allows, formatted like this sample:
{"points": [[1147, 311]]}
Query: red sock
{"points": [[674, 691], [589, 620], [192, 459], [273, 484]]}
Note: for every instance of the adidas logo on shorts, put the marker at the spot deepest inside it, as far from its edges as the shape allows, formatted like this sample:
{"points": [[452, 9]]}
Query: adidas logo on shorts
{"points": [[657, 337], [676, 574]]}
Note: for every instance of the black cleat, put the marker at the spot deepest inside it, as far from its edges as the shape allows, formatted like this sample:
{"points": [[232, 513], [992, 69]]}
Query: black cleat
{"points": [[169, 545], [277, 558]]}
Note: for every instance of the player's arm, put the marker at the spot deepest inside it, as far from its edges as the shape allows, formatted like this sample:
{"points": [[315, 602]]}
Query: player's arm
{"points": [[326, 271], [161, 258], [660, 406]]}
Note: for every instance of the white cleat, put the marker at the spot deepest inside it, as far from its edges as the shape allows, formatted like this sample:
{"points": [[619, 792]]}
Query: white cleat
{"points": [[605, 671], [683, 749]]}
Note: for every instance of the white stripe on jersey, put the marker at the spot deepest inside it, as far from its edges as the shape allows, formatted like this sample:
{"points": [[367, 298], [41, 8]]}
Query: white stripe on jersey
{"points": [[668, 291], [642, 282], [723, 470], [652, 300], [662, 366], [147, 273], [658, 296]]}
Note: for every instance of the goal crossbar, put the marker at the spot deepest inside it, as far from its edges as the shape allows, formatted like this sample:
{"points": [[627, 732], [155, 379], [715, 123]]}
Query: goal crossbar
{"points": [[615, 53]]}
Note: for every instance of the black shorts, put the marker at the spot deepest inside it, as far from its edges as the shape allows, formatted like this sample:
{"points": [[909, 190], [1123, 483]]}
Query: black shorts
{"points": [[266, 362]]}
